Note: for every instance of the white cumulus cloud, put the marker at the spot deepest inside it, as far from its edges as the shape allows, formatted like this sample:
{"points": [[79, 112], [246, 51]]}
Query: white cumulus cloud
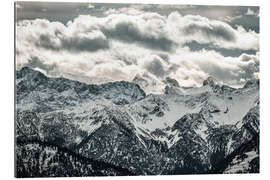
{"points": [[122, 45]]}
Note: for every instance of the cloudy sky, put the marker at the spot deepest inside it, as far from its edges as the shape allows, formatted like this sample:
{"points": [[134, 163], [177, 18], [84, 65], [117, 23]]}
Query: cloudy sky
{"points": [[97, 43]]}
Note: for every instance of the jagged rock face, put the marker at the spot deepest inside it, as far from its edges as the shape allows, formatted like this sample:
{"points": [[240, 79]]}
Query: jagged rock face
{"points": [[171, 82], [191, 129], [252, 83], [249, 129], [171, 90], [251, 121], [188, 121], [27, 124], [152, 105], [148, 83], [246, 162], [115, 144], [209, 81], [201, 130], [119, 146]]}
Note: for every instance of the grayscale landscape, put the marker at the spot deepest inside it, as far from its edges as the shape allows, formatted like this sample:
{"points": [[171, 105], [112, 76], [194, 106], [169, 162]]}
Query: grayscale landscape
{"points": [[136, 89]]}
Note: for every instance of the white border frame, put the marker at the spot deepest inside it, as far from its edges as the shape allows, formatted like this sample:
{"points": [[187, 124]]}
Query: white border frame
{"points": [[7, 86]]}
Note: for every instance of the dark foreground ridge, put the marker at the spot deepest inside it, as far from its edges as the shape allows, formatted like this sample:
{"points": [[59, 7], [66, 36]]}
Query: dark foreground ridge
{"points": [[36, 158]]}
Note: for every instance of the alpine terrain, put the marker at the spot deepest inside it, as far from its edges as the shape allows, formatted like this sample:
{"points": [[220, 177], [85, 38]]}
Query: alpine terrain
{"points": [[69, 128]]}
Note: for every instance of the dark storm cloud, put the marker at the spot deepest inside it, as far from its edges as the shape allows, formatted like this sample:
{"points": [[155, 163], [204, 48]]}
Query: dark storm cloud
{"points": [[194, 46], [129, 32], [156, 66], [217, 31], [46, 42], [74, 44], [249, 22], [84, 44]]}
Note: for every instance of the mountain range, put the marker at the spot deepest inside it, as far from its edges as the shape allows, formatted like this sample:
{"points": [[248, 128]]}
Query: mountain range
{"points": [[69, 128]]}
